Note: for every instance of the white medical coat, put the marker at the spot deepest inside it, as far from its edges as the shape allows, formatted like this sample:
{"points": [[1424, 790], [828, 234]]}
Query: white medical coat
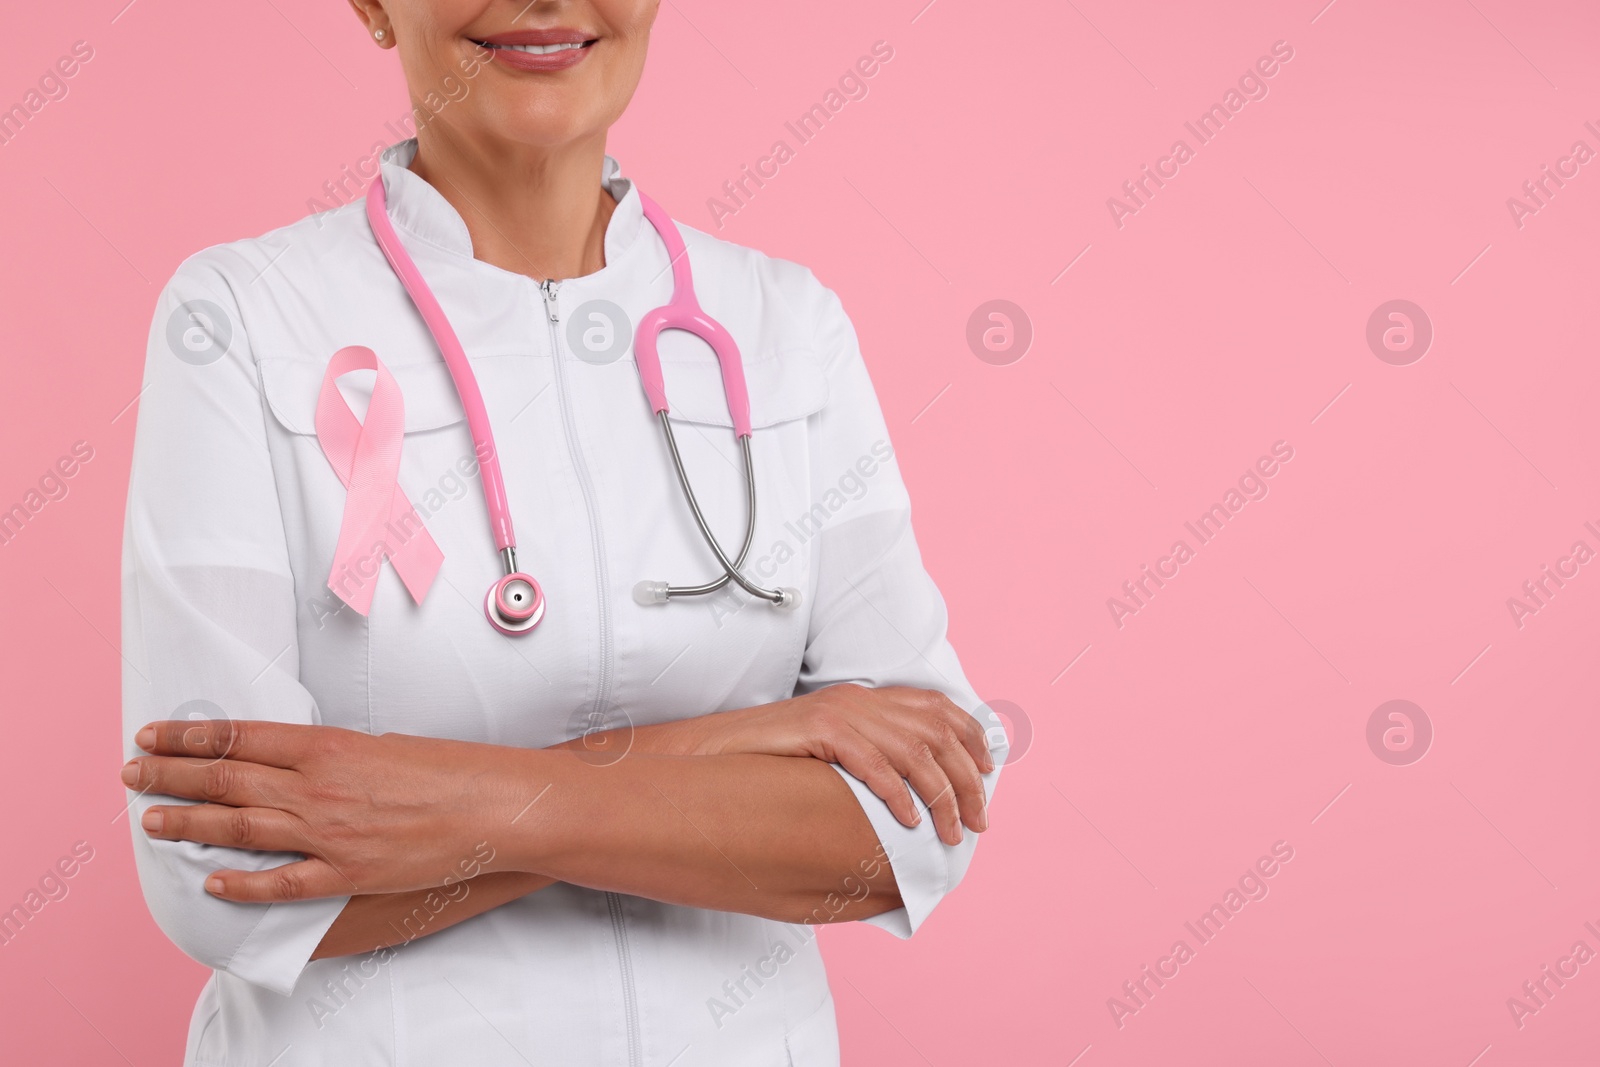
{"points": [[233, 513]]}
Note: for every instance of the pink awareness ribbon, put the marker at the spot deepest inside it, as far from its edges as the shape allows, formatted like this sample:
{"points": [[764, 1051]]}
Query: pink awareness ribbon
{"points": [[379, 521]]}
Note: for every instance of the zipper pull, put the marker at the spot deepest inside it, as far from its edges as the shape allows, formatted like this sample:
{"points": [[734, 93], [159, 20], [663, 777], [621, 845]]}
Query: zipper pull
{"points": [[549, 288]]}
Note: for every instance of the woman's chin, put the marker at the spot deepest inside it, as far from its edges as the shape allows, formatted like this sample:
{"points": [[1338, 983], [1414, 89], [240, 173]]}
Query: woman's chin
{"points": [[542, 125]]}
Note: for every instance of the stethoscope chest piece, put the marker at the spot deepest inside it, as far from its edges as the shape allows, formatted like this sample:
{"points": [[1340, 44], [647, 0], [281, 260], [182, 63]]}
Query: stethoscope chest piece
{"points": [[514, 604]]}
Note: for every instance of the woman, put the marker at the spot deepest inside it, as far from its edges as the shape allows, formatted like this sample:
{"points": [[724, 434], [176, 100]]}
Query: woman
{"points": [[397, 833]]}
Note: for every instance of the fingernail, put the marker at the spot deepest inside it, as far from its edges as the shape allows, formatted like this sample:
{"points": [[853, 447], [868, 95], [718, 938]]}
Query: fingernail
{"points": [[213, 884], [151, 821], [983, 819], [145, 738], [130, 773]]}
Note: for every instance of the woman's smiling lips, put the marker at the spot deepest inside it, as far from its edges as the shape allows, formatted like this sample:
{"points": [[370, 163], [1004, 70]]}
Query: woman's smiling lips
{"points": [[539, 50]]}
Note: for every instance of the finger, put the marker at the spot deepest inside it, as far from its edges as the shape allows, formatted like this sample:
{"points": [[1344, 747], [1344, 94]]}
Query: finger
{"points": [[223, 781], [956, 761], [916, 762], [907, 742], [866, 761], [303, 880], [961, 749], [260, 829], [973, 736], [937, 707], [276, 744]]}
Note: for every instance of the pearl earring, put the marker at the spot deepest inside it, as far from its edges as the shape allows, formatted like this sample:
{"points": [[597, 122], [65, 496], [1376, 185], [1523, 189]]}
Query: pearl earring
{"points": [[378, 34]]}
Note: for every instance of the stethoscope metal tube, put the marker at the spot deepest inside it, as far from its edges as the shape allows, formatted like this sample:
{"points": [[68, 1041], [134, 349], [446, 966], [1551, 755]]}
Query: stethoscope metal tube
{"points": [[648, 592]]}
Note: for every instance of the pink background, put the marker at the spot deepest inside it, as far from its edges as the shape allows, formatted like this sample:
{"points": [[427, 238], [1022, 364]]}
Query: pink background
{"points": [[1224, 316]]}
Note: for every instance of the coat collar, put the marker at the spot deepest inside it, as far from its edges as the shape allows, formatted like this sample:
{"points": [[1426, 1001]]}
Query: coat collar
{"points": [[418, 208]]}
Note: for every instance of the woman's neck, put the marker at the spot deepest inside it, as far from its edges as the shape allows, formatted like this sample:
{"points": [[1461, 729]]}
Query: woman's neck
{"points": [[535, 211]]}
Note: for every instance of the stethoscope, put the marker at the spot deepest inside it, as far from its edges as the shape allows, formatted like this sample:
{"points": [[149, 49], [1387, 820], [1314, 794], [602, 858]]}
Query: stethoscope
{"points": [[515, 603]]}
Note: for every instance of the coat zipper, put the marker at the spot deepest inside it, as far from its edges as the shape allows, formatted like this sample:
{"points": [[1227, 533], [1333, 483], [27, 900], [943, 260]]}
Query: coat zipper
{"points": [[550, 290], [630, 1005]]}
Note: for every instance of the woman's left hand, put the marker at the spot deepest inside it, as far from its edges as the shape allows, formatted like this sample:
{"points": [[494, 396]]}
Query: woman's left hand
{"points": [[885, 736], [379, 814]]}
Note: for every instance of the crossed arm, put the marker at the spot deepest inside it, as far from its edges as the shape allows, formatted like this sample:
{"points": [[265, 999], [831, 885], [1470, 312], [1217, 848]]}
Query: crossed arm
{"points": [[736, 811]]}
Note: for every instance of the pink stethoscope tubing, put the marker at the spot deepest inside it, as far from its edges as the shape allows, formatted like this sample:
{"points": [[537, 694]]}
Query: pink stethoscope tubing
{"points": [[515, 603], [683, 313], [444, 335]]}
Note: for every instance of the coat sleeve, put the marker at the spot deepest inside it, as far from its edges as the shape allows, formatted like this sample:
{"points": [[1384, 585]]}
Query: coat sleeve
{"points": [[208, 610], [877, 619]]}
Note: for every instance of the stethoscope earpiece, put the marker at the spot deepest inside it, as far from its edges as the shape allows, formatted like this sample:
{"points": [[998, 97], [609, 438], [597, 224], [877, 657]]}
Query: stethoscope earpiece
{"points": [[648, 593]]}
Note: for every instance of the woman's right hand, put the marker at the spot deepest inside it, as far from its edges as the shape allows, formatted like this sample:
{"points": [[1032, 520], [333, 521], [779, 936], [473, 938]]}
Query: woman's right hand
{"points": [[885, 737]]}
